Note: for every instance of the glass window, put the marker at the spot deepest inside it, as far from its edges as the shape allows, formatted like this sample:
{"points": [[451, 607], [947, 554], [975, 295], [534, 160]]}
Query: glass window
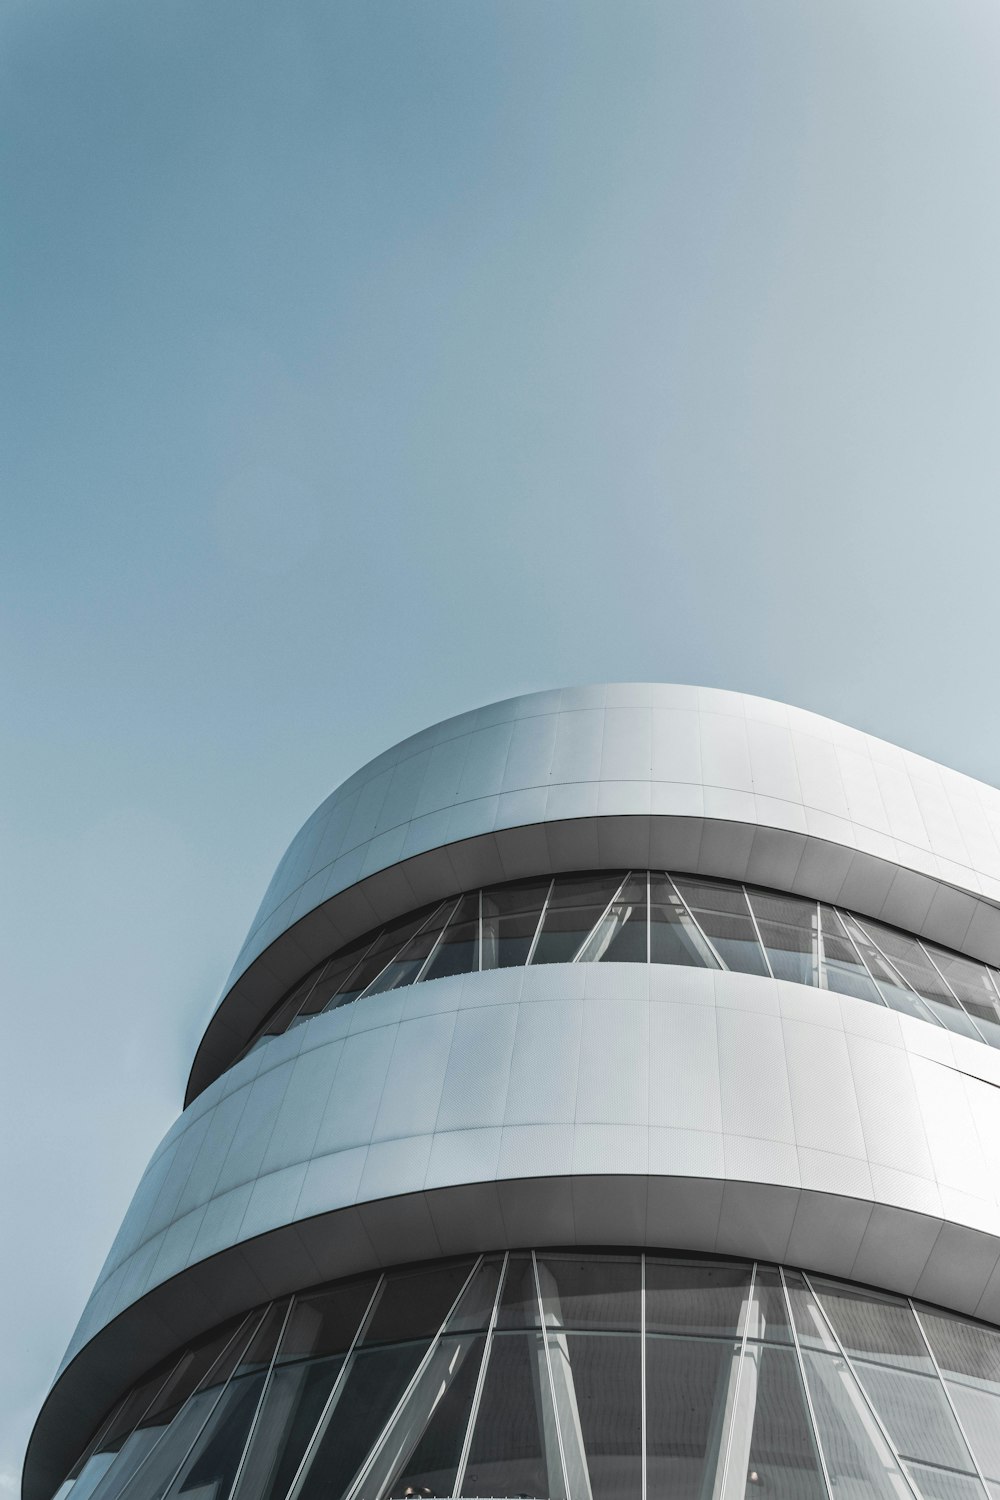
{"points": [[858, 1458], [979, 1415], [333, 978], [974, 988], [374, 1382], [722, 913], [970, 1351], [510, 920], [696, 1297], [620, 935], [514, 1449], [590, 1292], [843, 969], [873, 1327], [154, 1475], [891, 987], [942, 1484], [597, 1383], [422, 1448], [575, 906], [767, 1313], [519, 1298], [406, 966], [673, 936], [772, 1451], [414, 1304], [458, 950], [789, 931], [909, 958], [385, 947], [916, 1415], [810, 1325], [690, 1385]]}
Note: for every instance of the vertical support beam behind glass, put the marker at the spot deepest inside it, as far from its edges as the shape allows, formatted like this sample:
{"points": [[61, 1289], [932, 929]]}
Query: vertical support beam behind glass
{"points": [[555, 1438], [695, 923], [263, 1394], [477, 1396], [589, 939], [805, 1384], [479, 940], [649, 939], [356, 1488], [756, 928], [734, 1414], [948, 1397], [335, 1391], [859, 1390], [541, 923], [950, 988]]}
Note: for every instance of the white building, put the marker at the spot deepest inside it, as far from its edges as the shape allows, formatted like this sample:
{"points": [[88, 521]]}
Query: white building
{"points": [[604, 1105]]}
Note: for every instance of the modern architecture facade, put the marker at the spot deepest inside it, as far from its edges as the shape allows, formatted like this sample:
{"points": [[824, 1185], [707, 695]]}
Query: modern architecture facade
{"points": [[605, 1104]]}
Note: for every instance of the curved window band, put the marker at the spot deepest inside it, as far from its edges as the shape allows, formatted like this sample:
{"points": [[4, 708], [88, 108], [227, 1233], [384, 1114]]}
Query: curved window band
{"points": [[573, 1376], [651, 916]]}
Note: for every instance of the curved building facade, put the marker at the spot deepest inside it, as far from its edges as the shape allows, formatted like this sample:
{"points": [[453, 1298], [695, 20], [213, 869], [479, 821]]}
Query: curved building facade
{"points": [[605, 1104]]}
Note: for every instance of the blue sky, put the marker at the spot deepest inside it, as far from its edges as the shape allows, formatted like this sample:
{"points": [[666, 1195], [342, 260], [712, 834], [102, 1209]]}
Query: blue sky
{"points": [[364, 362]]}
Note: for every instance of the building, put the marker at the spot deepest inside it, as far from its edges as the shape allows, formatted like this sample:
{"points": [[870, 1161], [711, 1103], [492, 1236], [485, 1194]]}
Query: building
{"points": [[605, 1104]]}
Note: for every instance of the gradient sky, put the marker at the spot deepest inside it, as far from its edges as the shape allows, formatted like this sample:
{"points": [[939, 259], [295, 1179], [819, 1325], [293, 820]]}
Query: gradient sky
{"points": [[365, 361]]}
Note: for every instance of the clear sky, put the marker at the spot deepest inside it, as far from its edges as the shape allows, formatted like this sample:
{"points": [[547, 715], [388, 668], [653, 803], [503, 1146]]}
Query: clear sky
{"points": [[365, 361]]}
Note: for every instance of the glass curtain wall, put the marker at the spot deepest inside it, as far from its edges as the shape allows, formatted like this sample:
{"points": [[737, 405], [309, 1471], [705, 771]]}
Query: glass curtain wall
{"points": [[650, 916], [572, 1377]]}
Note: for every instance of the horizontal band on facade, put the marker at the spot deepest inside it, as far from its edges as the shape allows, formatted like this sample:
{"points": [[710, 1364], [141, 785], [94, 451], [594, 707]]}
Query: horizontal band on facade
{"points": [[813, 868]]}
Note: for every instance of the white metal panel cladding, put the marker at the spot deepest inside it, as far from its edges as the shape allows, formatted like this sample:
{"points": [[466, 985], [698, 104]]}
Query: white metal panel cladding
{"points": [[631, 774], [678, 1073]]}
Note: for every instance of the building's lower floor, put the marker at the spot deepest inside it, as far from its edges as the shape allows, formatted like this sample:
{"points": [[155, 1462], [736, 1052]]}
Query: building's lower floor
{"points": [[566, 1375]]}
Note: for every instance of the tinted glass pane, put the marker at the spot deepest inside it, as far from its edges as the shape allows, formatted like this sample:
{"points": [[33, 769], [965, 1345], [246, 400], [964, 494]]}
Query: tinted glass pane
{"points": [[210, 1468], [414, 1304], [575, 906], [873, 1327], [475, 1306], [693, 1297], [152, 1478], [335, 977], [971, 983], [788, 930], [722, 914], [673, 937], [591, 1292], [372, 1388], [909, 958], [384, 948], [598, 1393], [810, 1324], [458, 951], [519, 1298], [620, 934], [326, 1322], [892, 989], [689, 1390], [963, 1348], [916, 1415], [858, 1459], [772, 1450], [424, 1444], [767, 1315], [293, 1403], [514, 1450], [979, 1415], [940, 1484], [405, 965], [843, 970], [510, 918]]}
